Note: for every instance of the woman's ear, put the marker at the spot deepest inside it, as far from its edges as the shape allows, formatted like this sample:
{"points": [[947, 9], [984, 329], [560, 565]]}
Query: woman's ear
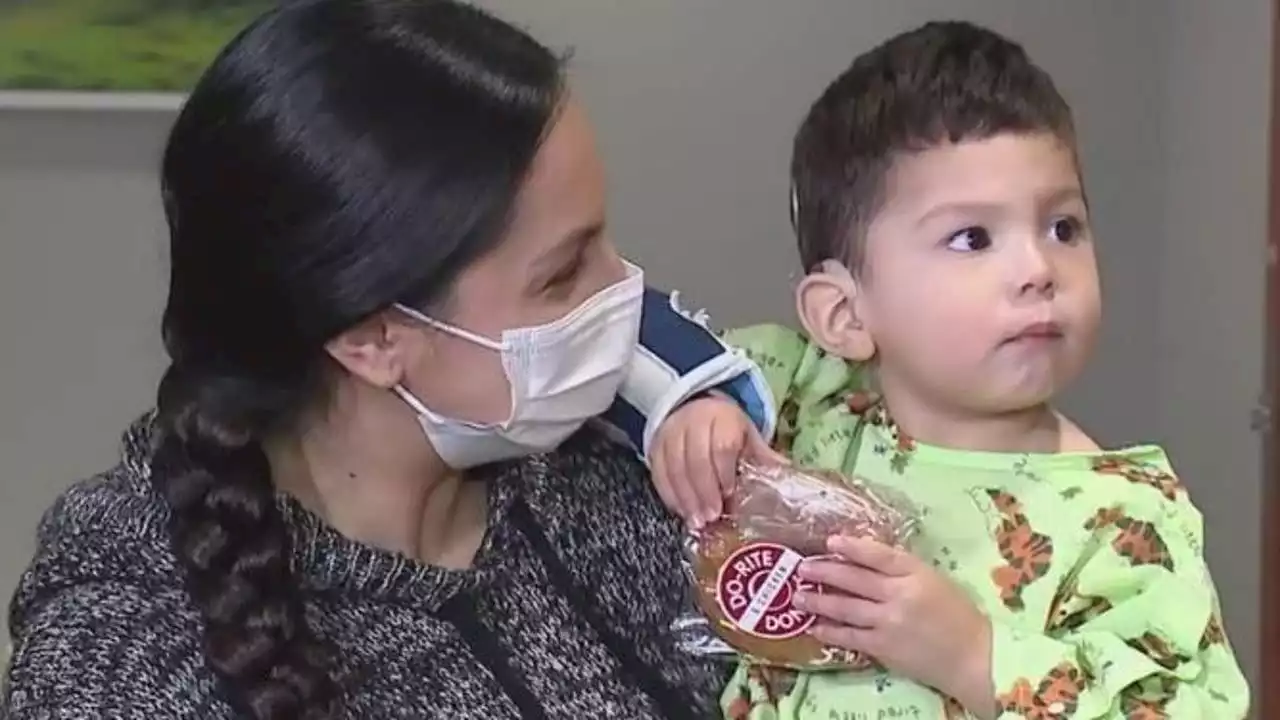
{"points": [[376, 350], [828, 302]]}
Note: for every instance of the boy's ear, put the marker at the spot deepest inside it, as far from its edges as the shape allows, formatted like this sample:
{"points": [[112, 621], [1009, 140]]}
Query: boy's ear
{"points": [[827, 302]]}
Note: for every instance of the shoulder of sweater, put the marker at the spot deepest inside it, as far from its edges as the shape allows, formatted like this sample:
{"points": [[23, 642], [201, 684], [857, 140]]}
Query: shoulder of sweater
{"points": [[598, 492], [111, 508], [103, 595], [109, 529], [589, 469], [593, 458]]}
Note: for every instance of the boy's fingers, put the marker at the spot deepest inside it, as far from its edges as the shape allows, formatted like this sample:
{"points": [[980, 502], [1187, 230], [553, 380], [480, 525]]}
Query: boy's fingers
{"points": [[675, 452], [702, 472], [840, 608], [847, 578], [877, 556], [758, 449], [846, 636], [727, 447], [661, 481]]}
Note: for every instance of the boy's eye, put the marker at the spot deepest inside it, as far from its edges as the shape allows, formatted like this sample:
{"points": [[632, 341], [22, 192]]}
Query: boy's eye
{"points": [[1065, 230], [970, 239]]}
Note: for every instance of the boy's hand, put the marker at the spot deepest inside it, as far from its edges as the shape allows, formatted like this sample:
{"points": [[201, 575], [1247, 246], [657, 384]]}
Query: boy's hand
{"points": [[695, 457], [894, 607]]}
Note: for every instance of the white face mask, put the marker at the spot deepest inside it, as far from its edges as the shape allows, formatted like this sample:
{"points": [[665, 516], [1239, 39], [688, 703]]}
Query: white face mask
{"points": [[561, 375]]}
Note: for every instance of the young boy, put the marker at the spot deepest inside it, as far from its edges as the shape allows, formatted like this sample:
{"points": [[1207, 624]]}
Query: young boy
{"points": [[940, 213]]}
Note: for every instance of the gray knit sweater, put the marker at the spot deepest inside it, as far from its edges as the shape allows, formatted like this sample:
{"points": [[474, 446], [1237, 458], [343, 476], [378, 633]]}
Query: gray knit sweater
{"points": [[564, 615]]}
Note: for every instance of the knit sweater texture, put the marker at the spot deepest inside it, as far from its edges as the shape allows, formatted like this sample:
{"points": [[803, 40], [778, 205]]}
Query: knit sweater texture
{"points": [[564, 614]]}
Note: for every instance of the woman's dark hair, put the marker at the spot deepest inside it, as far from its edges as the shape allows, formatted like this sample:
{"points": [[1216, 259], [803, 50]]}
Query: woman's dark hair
{"points": [[339, 156]]}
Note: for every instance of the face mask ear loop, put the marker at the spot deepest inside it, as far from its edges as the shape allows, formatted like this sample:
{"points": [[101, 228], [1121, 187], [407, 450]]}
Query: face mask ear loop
{"points": [[467, 335], [414, 403]]}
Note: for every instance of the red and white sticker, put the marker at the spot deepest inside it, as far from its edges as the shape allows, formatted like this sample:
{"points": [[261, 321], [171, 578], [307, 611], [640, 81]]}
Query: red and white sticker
{"points": [[755, 589]]}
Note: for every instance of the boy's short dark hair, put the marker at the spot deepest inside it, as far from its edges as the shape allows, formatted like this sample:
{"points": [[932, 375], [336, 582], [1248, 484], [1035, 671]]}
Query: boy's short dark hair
{"points": [[943, 82]]}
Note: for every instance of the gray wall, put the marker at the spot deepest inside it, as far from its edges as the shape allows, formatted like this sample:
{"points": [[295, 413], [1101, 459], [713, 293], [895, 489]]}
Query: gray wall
{"points": [[1208, 349], [696, 102]]}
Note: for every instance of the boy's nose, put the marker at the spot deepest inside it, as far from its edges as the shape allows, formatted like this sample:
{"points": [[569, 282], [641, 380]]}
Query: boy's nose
{"points": [[1035, 274], [1039, 285]]}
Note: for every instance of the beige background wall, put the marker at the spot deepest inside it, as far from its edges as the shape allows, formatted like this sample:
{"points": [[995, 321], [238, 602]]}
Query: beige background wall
{"points": [[696, 101]]}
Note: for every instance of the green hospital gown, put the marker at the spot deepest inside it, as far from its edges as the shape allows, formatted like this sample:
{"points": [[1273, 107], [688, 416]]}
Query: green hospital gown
{"points": [[1089, 565]]}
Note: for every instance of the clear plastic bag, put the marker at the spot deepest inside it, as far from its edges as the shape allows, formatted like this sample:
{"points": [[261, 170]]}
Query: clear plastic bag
{"points": [[742, 568]]}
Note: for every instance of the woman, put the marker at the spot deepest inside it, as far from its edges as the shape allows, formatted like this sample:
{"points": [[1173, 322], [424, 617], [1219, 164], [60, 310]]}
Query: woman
{"points": [[385, 216]]}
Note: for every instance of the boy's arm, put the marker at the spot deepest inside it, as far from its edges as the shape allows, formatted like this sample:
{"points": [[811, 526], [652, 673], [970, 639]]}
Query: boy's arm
{"points": [[772, 372], [680, 358], [1137, 634]]}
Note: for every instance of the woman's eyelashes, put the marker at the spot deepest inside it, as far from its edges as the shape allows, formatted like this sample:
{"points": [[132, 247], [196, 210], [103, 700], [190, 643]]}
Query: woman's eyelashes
{"points": [[564, 279], [580, 252]]}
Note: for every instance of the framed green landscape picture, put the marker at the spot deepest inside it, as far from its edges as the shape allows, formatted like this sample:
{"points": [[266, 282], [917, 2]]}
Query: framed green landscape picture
{"points": [[114, 46]]}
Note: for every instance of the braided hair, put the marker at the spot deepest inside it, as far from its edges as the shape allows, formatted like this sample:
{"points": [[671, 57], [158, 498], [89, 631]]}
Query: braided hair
{"points": [[338, 156]]}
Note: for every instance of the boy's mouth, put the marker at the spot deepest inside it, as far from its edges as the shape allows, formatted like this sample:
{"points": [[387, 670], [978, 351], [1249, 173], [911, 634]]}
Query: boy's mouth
{"points": [[1036, 332]]}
